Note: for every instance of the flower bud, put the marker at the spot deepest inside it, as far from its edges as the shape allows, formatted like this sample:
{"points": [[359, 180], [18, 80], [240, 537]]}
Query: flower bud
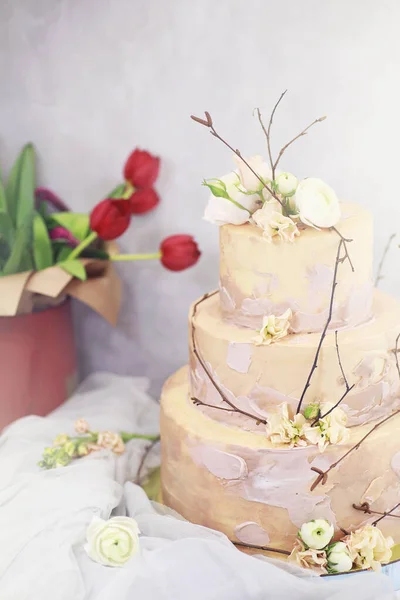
{"points": [[286, 184], [110, 218], [179, 252], [339, 560], [311, 411], [141, 169]]}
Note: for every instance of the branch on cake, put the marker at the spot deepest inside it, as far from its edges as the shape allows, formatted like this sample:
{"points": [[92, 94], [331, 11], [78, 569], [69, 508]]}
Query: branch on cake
{"points": [[365, 508], [234, 408], [396, 354], [345, 242], [304, 132], [379, 275], [323, 475], [265, 548], [267, 132]]}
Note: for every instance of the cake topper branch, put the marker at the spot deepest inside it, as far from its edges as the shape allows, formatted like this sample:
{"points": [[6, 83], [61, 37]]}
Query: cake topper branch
{"points": [[339, 259], [234, 408], [365, 508], [386, 514], [323, 475], [267, 132], [379, 275]]}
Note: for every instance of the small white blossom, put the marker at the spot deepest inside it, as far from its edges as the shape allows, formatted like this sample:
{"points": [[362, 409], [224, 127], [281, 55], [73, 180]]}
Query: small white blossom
{"points": [[114, 542], [81, 426], [330, 429], [339, 559], [229, 201], [316, 534], [273, 223], [111, 441], [281, 429], [369, 548], [249, 181], [273, 328], [308, 558], [316, 203], [286, 184]]}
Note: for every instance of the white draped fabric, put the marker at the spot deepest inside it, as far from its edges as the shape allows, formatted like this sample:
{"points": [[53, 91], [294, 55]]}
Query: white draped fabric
{"points": [[44, 516]]}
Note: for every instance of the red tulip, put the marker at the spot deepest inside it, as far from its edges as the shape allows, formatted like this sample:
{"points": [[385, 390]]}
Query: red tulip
{"points": [[110, 218], [143, 201], [141, 169], [179, 252]]}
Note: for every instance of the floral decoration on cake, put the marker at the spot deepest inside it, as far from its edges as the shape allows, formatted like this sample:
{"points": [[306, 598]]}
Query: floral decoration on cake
{"points": [[365, 548], [273, 329], [319, 425], [258, 192]]}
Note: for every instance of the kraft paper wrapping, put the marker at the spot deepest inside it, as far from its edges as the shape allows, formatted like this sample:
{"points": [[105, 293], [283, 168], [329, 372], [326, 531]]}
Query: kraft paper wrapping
{"points": [[101, 291]]}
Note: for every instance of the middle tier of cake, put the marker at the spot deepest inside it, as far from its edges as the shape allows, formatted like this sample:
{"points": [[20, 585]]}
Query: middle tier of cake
{"points": [[259, 378]]}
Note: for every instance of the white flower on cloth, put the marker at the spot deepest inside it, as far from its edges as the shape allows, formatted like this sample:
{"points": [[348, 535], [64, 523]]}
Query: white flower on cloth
{"points": [[81, 426], [286, 184], [111, 441], [316, 534], [114, 542], [328, 430], [273, 223], [281, 429], [249, 181], [309, 558], [369, 548], [339, 559], [273, 328], [229, 201], [316, 203]]}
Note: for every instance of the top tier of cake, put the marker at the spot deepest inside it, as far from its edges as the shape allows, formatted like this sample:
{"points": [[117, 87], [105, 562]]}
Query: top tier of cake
{"points": [[258, 277]]}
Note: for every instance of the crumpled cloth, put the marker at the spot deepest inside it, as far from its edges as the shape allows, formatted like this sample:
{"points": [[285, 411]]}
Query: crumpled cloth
{"points": [[44, 516]]}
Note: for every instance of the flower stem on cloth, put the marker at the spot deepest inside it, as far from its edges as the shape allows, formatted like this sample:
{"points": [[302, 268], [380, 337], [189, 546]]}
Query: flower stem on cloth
{"points": [[127, 257]]}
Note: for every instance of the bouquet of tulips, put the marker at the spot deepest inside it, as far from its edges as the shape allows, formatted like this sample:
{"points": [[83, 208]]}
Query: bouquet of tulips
{"points": [[34, 238]]}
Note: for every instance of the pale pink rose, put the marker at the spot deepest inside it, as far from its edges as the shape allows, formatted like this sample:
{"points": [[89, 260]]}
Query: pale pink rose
{"points": [[309, 559], [111, 441], [81, 426]]}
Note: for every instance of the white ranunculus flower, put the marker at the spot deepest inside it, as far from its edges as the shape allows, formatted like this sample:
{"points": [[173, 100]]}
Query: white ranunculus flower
{"points": [[273, 328], [281, 429], [316, 534], [113, 542], [369, 548], [229, 202], [286, 184], [273, 223], [247, 178], [316, 203], [339, 560]]}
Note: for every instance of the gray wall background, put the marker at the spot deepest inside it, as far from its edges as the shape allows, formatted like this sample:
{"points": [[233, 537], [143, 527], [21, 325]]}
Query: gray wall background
{"points": [[87, 80]]}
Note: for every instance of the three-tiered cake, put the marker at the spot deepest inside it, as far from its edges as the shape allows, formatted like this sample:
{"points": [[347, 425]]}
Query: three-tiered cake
{"points": [[287, 410]]}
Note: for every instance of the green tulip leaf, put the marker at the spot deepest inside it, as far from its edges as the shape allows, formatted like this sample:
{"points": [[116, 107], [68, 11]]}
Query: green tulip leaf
{"points": [[42, 249], [20, 188], [19, 259], [3, 199], [76, 223], [63, 253], [75, 268], [6, 229]]}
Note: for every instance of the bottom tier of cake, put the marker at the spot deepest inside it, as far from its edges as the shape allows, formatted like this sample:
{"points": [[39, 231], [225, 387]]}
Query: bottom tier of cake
{"points": [[236, 482]]}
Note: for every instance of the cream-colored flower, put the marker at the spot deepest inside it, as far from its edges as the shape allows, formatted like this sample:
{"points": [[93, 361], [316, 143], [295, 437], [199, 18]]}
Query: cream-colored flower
{"points": [[281, 429], [330, 429], [229, 201], [309, 558], [339, 559], [316, 534], [109, 440], [316, 203], [286, 184], [273, 328], [81, 426], [114, 542], [249, 181], [61, 439], [273, 223], [119, 447], [369, 548], [93, 447]]}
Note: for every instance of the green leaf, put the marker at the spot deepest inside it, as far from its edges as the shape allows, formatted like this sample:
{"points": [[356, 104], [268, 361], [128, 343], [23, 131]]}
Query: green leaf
{"points": [[19, 259], [218, 189], [3, 199], [152, 484], [42, 249], [118, 191], [6, 229], [20, 188], [75, 268], [76, 223], [63, 253]]}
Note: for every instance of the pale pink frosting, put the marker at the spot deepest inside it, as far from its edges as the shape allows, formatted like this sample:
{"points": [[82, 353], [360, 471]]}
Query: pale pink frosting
{"points": [[221, 464], [239, 356], [250, 532]]}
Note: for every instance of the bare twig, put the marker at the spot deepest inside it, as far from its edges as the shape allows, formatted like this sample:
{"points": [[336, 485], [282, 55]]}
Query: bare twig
{"points": [[267, 132], [323, 475], [143, 460], [266, 548], [205, 369], [379, 275], [198, 402], [396, 354], [340, 362], [345, 242], [286, 146], [334, 406], [208, 123], [365, 508], [315, 363], [386, 514]]}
